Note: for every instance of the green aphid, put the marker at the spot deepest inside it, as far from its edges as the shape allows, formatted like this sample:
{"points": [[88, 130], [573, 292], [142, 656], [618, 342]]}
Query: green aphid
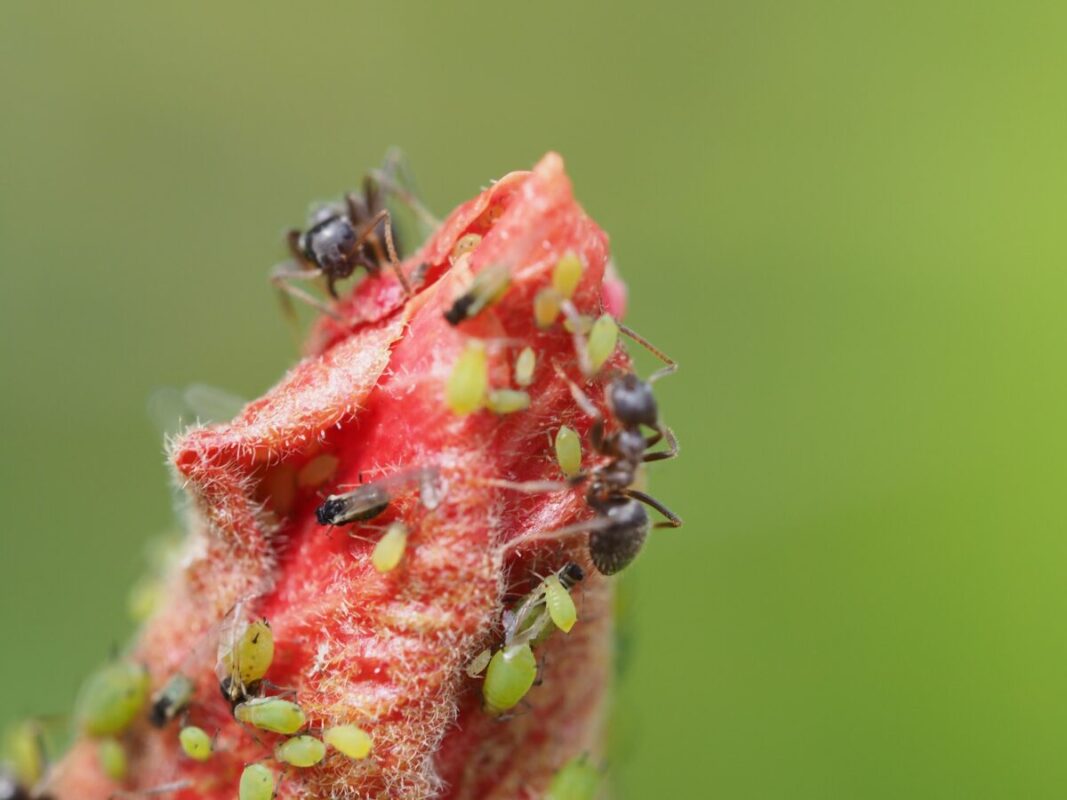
{"points": [[389, 550], [548, 302], [112, 757], [602, 340], [560, 604], [525, 365], [245, 654], [171, 700], [469, 381], [195, 743], [300, 751], [349, 740], [271, 714], [567, 274], [24, 752], [112, 698], [510, 675], [257, 783], [507, 401], [576, 780], [568, 451]]}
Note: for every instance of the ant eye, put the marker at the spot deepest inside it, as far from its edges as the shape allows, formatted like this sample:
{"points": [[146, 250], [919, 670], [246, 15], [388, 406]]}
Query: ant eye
{"points": [[507, 401], [602, 340], [390, 548], [560, 604], [301, 751], [576, 780], [567, 274], [524, 366], [112, 758], [257, 783], [112, 698], [271, 714], [348, 740], [195, 743], [568, 451], [511, 673], [467, 385]]}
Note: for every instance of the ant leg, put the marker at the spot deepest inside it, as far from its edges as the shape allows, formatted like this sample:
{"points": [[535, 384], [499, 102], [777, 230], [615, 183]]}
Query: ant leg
{"points": [[369, 232], [588, 526], [672, 365], [662, 455], [673, 520], [580, 397], [358, 208], [292, 240], [531, 487], [284, 273]]}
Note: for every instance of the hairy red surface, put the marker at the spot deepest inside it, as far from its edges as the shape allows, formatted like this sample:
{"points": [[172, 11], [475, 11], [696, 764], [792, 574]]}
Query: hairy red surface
{"points": [[388, 651]]}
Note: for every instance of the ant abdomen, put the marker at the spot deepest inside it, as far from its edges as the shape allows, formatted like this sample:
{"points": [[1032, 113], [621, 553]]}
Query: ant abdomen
{"points": [[615, 545]]}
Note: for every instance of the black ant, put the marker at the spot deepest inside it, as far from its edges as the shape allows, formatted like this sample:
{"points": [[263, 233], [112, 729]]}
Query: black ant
{"points": [[621, 524], [340, 239]]}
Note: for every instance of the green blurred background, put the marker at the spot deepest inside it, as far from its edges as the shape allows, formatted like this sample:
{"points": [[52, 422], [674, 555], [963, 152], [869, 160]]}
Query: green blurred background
{"points": [[844, 219]]}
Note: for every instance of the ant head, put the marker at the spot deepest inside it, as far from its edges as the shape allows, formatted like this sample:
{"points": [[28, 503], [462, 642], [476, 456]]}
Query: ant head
{"points": [[632, 402], [571, 575], [329, 244], [613, 547]]}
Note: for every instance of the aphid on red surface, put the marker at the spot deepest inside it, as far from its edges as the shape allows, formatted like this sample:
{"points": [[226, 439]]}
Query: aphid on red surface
{"points": [[371, 499]]}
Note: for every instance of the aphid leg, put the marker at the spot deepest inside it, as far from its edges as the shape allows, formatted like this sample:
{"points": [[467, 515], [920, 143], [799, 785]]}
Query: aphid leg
{"points": [[369, 234], [662, 455], [281, 277], [671, 364], [673, 520]]}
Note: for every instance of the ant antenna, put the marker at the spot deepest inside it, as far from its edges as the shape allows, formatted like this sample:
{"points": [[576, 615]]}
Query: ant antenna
{"points": [[671, 364]]}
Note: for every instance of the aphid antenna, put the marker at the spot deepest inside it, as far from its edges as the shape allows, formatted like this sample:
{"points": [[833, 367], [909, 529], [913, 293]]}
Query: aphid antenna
{"points": [[671, 364]]}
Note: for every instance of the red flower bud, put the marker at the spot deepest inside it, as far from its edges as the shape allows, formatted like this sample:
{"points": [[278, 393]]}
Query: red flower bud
{"points": [[388, 651]]}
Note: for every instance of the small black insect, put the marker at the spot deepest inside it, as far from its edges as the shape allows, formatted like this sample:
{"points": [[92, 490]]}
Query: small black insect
{"points": [[338, 240], [171, 700], [371, 499]]}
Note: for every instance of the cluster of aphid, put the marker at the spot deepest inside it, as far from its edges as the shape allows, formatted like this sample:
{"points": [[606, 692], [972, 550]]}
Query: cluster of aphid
{"points": [[338, 240], [116, 696]]}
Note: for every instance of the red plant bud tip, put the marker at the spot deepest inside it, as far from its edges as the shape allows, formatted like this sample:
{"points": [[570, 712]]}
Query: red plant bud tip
{"points": [[388, 651]]}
